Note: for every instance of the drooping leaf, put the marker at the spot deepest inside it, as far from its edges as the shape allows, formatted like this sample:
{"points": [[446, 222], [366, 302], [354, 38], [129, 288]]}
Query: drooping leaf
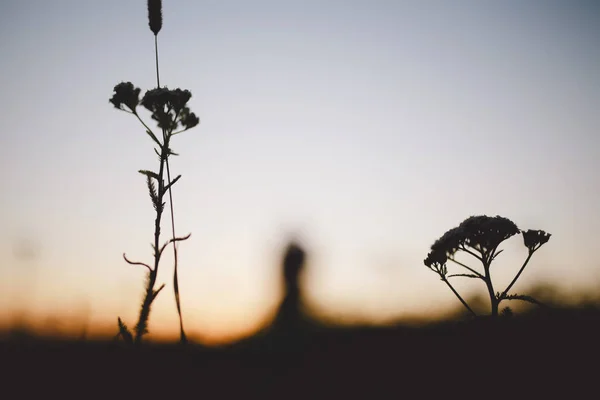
{"points": [[177, 239]]}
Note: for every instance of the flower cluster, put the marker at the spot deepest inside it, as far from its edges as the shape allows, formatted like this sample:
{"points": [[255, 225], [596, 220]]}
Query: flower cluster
{"points": [[534, 239], [126, 94], [486, 233], [437, 263], [478, 232], [168, 107]]}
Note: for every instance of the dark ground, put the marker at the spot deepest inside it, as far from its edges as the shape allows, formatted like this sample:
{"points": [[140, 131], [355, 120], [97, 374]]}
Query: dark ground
{"points": [[541, 355]]}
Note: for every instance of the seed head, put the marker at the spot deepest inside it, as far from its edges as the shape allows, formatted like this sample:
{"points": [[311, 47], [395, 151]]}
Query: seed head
{"points": [[155, 15]]}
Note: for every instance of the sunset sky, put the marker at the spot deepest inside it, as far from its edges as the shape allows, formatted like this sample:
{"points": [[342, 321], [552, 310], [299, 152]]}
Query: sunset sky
{"points": [[364, 128]]}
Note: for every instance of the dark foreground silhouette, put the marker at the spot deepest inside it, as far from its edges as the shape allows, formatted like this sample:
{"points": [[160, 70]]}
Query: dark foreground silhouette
{"points": [[550, 352], [528, 356]]}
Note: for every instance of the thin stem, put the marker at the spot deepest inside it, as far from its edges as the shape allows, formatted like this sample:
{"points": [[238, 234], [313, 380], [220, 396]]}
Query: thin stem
{"points": [[464, 303], [490, 255], [467, 267], [483, 257], [463, 248], [518, 274], [490, 287], [148, 129], [495, 255], [156, 56], [175, 275], [178, 132]]}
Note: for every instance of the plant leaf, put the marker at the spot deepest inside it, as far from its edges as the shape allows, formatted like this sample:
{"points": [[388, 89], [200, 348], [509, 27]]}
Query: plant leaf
{"points": [[148, 173], [177, 239], [157, 291], [522, 297], [152, 191], [172, 183], [465, 275]]}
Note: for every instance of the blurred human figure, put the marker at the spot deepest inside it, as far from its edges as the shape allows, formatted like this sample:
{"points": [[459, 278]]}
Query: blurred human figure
{"points": [[289, 324]]}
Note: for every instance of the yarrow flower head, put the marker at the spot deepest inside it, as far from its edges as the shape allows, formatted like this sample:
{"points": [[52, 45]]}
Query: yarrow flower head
{"points": [[479, 232], [437, 263], [125, 94], [188, 119], [486, 233], [168, 108], [450, 242]]}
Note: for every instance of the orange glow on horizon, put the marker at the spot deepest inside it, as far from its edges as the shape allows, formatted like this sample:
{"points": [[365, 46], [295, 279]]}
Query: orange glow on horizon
{"points": [[67, 326]]}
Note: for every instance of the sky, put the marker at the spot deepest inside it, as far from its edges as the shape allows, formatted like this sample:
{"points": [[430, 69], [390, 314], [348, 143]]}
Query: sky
{"points": [[366, 129]]}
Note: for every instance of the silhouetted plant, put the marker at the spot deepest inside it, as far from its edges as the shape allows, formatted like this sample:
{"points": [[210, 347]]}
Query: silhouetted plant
{"points": [[480, 237], [169, 110]]}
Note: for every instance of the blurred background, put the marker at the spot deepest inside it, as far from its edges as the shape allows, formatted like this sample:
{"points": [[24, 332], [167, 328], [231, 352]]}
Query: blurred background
{"points": [[364, 129]]}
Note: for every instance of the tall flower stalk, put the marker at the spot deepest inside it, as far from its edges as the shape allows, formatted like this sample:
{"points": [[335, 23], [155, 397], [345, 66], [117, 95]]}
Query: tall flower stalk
{"points": [[169, 110], [155, 24]]}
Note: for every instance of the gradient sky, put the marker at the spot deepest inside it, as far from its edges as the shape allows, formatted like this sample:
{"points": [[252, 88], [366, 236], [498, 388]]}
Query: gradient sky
{"points": [[366, 128]]}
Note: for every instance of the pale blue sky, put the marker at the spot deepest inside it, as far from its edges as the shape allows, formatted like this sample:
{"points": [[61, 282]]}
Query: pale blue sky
{"points": [[367, 127]]}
